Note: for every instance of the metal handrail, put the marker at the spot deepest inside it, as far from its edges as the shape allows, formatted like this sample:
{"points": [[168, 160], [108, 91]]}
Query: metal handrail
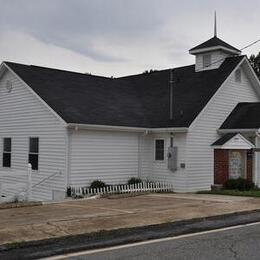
{"points": [[43, 180]]}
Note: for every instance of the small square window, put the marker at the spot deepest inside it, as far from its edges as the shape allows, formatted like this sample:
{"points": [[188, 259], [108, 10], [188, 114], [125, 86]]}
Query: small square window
{"points": [[238, 75], [159, 150], [206, 60]]}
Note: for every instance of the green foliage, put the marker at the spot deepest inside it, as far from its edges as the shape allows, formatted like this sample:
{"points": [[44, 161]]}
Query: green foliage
{"points": [[239, 184], [255, 62], [97, 184], [134, 180]]}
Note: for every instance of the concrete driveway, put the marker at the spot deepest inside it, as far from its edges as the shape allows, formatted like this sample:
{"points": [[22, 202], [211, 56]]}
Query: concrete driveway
{"points": [[85, 216]]}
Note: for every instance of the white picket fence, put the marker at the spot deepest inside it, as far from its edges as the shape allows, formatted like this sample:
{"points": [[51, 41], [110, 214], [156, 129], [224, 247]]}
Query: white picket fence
{"points": [[16, 185], [117, 189]]}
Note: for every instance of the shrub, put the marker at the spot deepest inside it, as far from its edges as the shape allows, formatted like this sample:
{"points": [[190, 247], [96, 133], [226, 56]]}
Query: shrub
{"points": [[134, 180], [97, 184], [239, 184], [69, 192]]}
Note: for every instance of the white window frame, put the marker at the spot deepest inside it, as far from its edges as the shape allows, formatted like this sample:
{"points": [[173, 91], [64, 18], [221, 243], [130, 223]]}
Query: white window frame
{"points": [[3, 151], [33, 153], [206, 60], [159, 139]]}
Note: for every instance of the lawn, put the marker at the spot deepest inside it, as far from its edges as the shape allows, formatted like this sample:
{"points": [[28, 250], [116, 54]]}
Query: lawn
{"points": [[248, 193]]}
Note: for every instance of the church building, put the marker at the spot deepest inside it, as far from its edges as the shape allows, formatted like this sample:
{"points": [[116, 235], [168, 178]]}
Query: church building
{"points": [[192, 126]]}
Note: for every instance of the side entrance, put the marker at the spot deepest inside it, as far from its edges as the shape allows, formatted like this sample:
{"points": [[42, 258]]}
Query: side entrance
{"points": [[232, 164], [233, 158]]}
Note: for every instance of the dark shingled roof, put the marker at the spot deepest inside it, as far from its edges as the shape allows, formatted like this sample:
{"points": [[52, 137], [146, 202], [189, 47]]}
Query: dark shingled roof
{"points": [[222, 140], [138, 101], [243, 116], [213, 42]]}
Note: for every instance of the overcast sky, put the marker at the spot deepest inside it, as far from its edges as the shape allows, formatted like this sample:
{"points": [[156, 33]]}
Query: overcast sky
{"points": [[120, 37]]}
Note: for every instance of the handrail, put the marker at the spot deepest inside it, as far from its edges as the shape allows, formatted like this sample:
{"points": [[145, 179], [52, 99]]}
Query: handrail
{"points": [[43, 180], [29, 187]]}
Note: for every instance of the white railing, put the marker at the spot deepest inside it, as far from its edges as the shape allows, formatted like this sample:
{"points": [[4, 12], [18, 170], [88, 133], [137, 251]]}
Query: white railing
{"points": [[12, 184], [117, 189]]}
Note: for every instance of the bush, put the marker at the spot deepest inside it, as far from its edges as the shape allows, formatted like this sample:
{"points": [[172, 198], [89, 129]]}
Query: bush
{"points": [[97, 184], [239, 184], [69, 192], [134, 180]]}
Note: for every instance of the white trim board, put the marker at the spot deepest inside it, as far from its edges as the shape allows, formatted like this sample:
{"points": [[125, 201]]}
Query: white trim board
{"points": [[237, 142]]}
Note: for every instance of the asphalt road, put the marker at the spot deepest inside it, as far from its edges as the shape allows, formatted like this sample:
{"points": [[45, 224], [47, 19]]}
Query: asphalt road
{"points": [[235, 243]]}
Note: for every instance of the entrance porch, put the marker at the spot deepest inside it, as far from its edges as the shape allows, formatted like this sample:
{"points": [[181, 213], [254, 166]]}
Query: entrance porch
{"points": [[233, 158]]}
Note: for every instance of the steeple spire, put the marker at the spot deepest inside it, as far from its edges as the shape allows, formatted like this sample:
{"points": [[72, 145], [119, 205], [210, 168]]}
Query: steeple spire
{"points": [[215, 24]]}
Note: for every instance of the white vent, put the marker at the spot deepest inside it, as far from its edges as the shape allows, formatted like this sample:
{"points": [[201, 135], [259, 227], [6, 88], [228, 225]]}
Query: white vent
{"points": [[9, 86]]}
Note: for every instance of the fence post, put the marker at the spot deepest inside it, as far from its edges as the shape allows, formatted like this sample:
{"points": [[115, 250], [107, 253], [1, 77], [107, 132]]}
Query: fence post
{"points": [[29, 182], [0, 190]]}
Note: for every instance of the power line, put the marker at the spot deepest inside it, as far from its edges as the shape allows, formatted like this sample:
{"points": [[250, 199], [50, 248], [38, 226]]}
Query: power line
{"points": [[247, 46]]}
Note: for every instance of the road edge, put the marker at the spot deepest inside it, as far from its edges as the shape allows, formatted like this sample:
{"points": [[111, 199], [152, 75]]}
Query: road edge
{"points": [[102, 239]]}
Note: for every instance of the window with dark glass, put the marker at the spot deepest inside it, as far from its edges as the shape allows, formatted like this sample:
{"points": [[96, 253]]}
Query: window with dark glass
{"points": [[7, 152], [159, 150], [34, 152]]}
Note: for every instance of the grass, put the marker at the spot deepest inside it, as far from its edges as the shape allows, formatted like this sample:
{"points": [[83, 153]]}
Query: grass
{"points": [[248, 193]]}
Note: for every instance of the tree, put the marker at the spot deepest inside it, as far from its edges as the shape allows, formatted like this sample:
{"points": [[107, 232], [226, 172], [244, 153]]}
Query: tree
{"points": [[255, 62]]}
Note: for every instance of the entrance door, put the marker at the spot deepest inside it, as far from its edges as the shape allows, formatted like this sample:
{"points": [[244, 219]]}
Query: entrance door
{"points": [[237, 163]]}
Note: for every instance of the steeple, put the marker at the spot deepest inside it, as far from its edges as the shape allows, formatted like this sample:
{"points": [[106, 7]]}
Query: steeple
{"points": [[212, 53], [215, 24]]}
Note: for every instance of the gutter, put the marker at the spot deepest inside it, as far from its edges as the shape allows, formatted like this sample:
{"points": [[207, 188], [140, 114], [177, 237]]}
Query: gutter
{"points": [[126, 128]]}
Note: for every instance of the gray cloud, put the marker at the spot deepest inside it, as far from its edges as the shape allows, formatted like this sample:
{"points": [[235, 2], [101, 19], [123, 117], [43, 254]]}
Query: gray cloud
{"points": [[76, 24], [124, 36]]}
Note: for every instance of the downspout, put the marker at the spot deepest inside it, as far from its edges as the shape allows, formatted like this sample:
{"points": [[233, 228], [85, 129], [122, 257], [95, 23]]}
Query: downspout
{"points": [[68, 160], [139, 173], [256, 159]]}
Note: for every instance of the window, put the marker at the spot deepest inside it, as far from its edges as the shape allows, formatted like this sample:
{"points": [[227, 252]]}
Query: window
{"points": [[206, 60], [34, 152], [238, 75], [159, 150], [7, 150]]}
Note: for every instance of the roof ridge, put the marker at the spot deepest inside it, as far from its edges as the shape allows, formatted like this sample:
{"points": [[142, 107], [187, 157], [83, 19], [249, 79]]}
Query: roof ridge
{"points": [[155, 71], [54, 69]]}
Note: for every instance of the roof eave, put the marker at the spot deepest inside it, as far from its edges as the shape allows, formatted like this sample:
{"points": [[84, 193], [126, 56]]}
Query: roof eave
{"points": [[224, 146], [214, 48], [76, 127]]}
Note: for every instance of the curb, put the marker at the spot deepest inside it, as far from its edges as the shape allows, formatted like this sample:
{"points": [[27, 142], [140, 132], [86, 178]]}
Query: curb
{"points": [[75, 243], [19, 205]]}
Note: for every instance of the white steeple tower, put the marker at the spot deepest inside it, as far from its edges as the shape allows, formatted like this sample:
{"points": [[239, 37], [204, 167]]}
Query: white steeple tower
{"points": [[213, 52]]}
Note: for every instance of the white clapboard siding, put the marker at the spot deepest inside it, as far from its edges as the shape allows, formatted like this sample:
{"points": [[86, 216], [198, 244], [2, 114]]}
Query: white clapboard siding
{"points": [[217, 58], [12, 185], [22, 115], [203, 132], [105, 155], [160, 170], [146, 156]]}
